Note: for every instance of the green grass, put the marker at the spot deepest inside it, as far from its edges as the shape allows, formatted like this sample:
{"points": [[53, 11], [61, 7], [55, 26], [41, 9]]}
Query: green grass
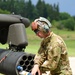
{"points": [[71, 47], [34, 41]]}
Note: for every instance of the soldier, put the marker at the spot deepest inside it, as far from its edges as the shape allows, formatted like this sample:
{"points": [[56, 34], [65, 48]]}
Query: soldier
{"points": [[52, 57]]}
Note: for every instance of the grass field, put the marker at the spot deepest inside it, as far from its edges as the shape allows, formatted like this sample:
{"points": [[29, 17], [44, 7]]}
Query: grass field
{"points": [[34, 41]]}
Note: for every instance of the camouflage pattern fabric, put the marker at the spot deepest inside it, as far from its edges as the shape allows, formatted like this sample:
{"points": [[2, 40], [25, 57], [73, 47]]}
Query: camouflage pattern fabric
{"points": [[52, 56]]}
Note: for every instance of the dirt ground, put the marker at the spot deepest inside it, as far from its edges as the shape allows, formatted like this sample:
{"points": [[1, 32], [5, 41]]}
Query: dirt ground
{"points": [[72, 64]]}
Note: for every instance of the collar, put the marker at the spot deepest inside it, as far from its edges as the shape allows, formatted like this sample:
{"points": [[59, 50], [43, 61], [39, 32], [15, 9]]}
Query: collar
{"points": [[51, 33]]}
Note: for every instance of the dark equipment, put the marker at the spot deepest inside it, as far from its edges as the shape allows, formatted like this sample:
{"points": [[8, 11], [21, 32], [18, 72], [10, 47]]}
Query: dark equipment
{"points": [[14, 59], [8, 19], [17, 38], [13, 32]]}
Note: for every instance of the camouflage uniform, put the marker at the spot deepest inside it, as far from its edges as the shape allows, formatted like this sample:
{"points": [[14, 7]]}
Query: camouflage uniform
{"points": [[52, 56]]}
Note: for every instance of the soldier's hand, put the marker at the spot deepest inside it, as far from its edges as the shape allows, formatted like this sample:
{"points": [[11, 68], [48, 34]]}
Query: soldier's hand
{"points": [[35, 69]]}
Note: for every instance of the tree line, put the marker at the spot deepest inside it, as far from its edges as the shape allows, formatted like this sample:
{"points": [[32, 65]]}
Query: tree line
{"points": [[25, 8]]}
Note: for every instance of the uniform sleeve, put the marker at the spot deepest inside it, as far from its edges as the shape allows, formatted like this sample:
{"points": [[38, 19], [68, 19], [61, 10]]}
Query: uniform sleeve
{"points": [[53, 57], [40, 56]]}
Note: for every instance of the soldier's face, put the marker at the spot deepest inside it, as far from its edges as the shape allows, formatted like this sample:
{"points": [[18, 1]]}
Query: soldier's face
{"points": [[41, 34]]}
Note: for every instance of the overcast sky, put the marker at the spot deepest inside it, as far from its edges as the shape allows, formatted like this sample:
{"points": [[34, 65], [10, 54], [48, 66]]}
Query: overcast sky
{"points": [[64, 5]]}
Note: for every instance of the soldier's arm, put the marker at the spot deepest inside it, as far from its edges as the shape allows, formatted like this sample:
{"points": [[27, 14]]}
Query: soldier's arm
{"points": [[40, 56], [53, 58], [38, 60]]}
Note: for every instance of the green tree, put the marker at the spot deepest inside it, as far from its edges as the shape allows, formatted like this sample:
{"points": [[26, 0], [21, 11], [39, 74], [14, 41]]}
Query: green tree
{"points": [[52, 11], [69, 24], [4, 11], [29, 9], [49, 11], [64, 16], [56, 11], [35, 14], [20, 7], [3, 4], [74, 17], [41, 8]]}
